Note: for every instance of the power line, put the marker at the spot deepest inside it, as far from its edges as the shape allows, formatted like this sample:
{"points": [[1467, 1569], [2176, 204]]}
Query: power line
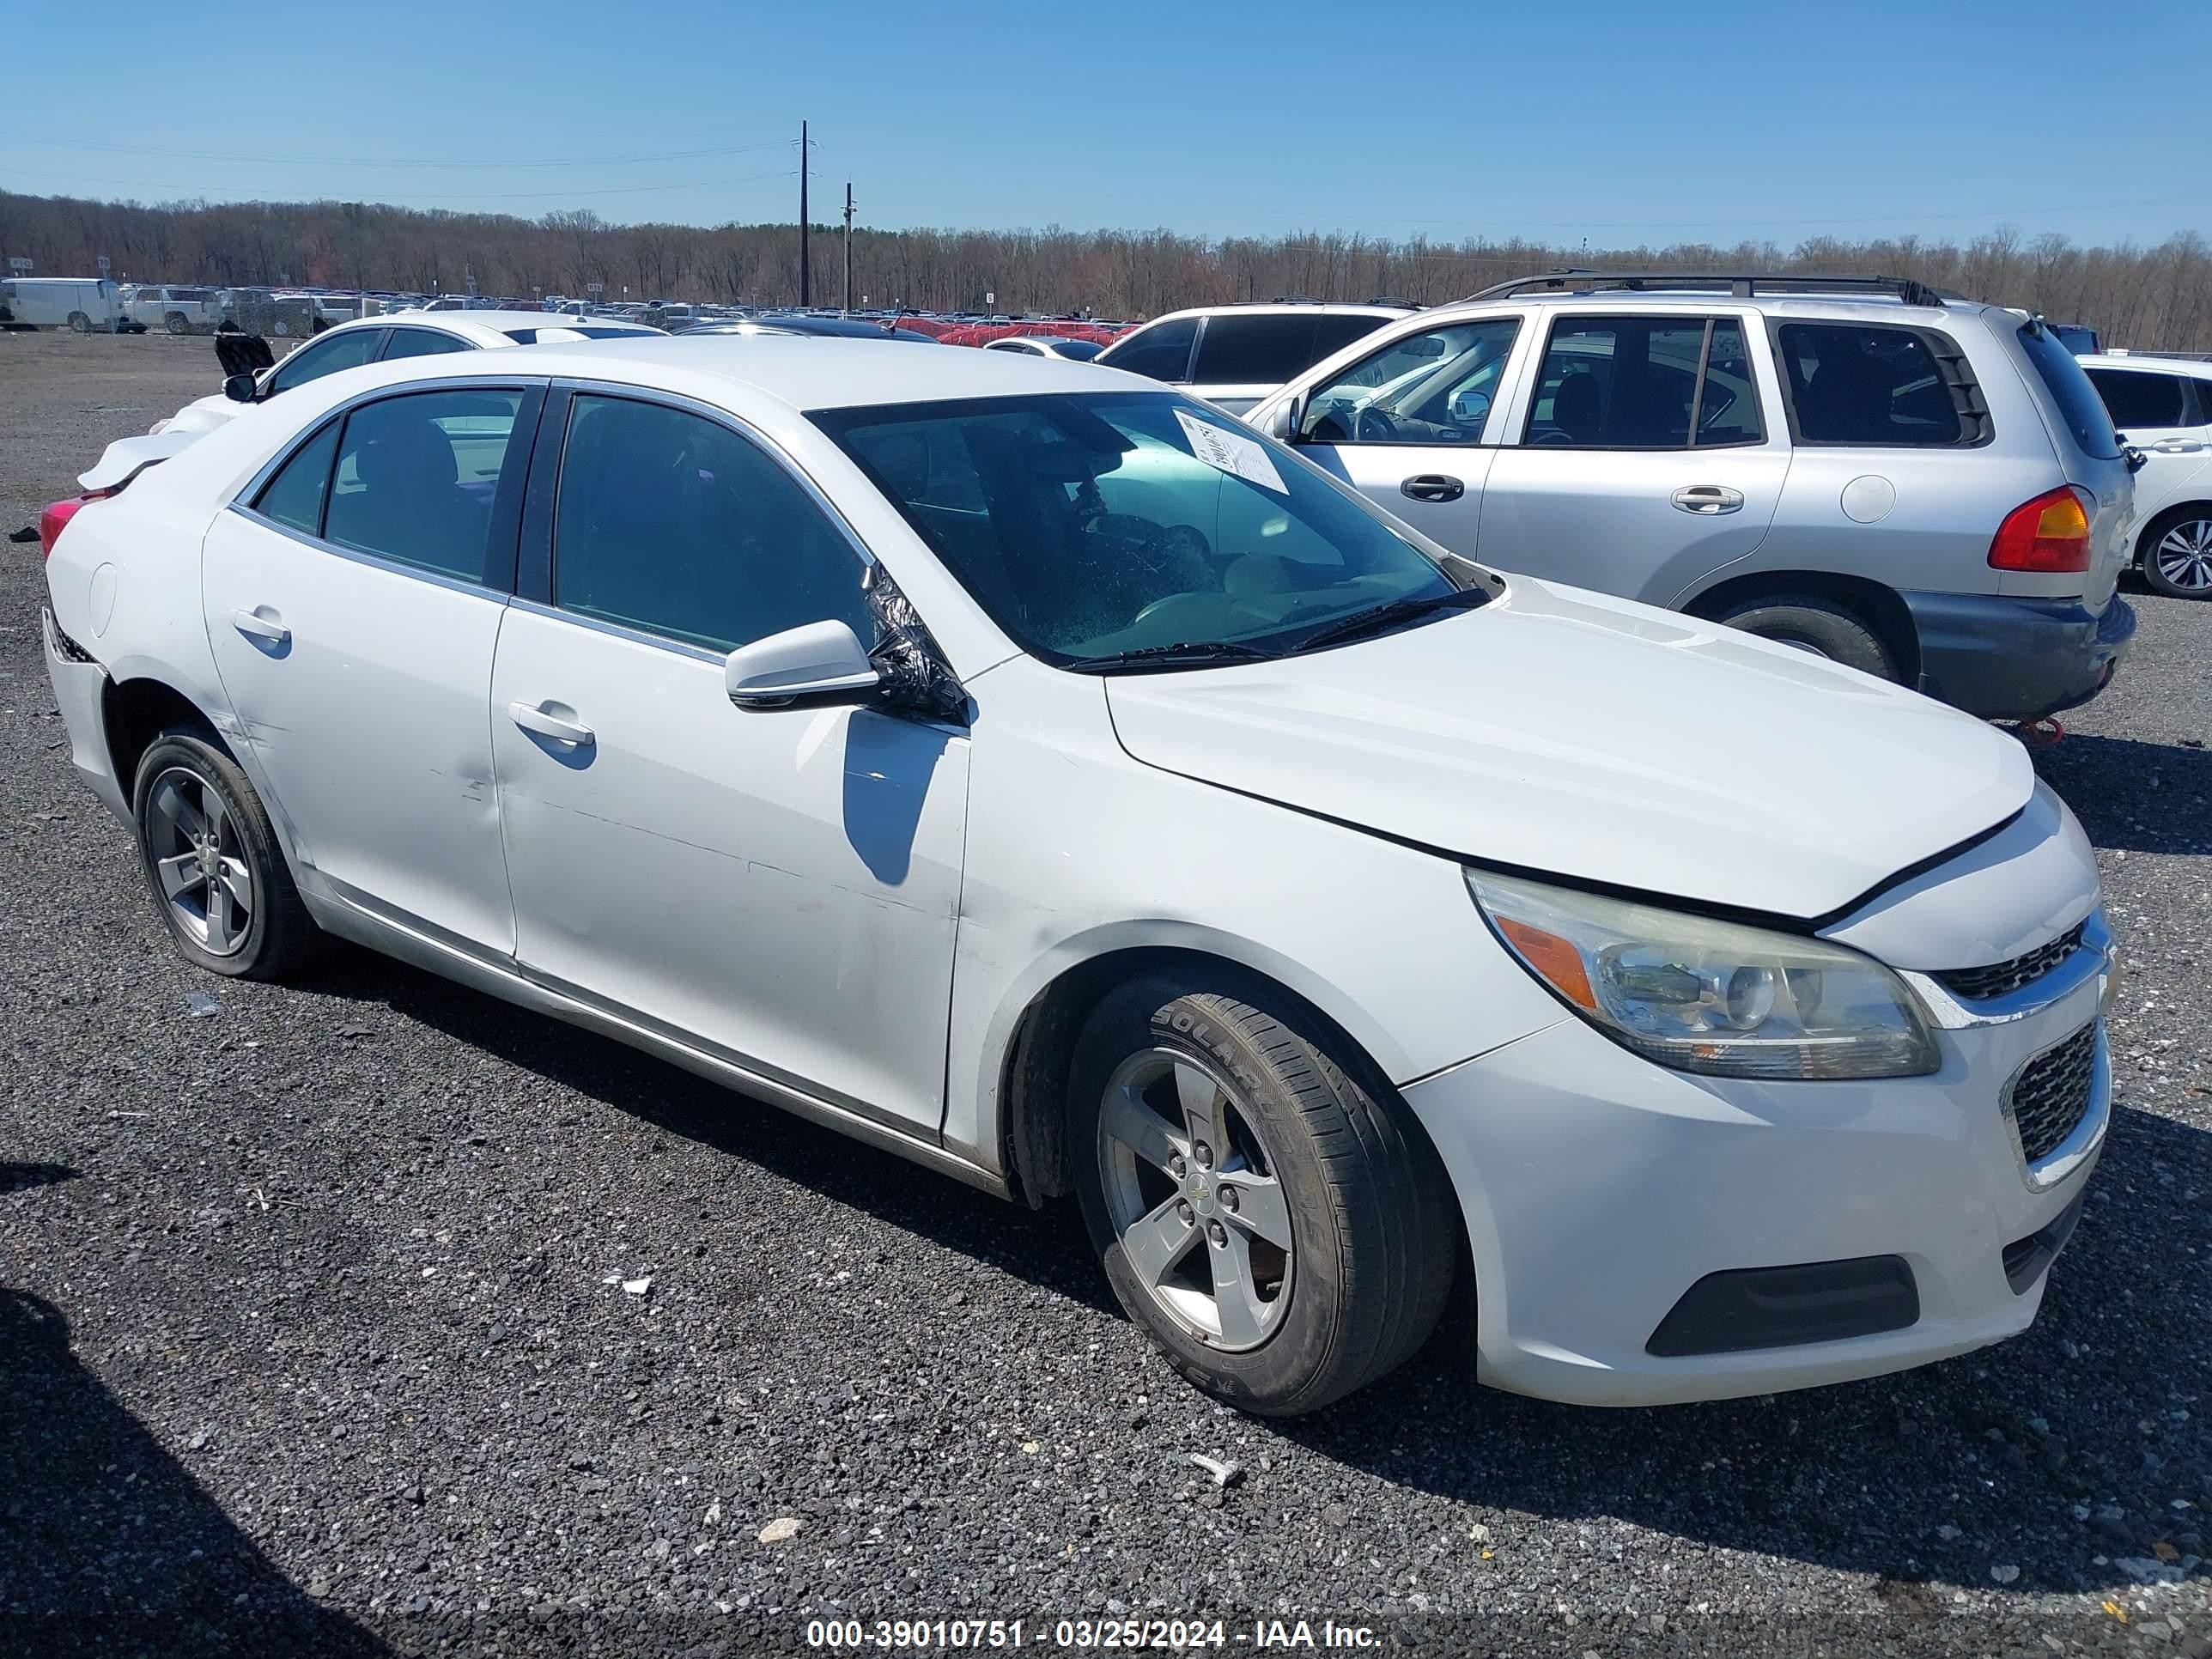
{"points": [[279, 192], [398, 162]]}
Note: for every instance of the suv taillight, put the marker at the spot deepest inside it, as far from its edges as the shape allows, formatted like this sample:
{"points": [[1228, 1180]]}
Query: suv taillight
{"points": [[2049, 535]]}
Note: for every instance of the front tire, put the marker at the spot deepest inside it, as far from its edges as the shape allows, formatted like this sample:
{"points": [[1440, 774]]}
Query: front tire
{"points": [[79, 322], [2175, 552], [212, 863], [175, 323], [1284, 1234], [1818, 627]]}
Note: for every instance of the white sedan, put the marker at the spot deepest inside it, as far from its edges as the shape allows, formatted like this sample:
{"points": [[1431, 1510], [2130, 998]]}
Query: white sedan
{"points": [[1029, 770], [385, 339]]}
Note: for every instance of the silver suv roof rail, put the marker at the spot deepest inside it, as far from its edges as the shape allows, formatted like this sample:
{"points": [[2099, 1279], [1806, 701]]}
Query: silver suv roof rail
{"points": [[1741, 285]]}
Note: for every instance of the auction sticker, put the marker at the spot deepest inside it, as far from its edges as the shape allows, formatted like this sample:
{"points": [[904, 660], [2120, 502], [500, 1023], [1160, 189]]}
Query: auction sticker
{"points": [[1232, 453]]}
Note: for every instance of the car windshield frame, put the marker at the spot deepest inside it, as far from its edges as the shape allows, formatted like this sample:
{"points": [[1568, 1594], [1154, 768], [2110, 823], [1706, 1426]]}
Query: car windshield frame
{"points": [[1380, 564]]}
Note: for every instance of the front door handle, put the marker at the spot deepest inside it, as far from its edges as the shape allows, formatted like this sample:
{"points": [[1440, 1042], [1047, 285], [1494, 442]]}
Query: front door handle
{"points": [[1432, 487], [538, 723], [269, 629], [1707, 499], [2177, 445]]}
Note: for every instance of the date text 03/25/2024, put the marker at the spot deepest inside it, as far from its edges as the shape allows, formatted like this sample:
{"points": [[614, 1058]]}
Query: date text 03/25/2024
{"points": [[1138, 1635]]}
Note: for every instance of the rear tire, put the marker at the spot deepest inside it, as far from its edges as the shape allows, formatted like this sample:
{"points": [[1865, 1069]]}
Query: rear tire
{"points": [[213, 865], [2175, 553], [79, 322], [175, 323], [1819, 626], [1332, 1265]]}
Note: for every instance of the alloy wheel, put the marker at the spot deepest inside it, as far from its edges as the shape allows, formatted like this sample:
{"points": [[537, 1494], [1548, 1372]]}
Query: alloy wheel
{"points": [[1194, 1197], [200, 861], [2184, 556]]}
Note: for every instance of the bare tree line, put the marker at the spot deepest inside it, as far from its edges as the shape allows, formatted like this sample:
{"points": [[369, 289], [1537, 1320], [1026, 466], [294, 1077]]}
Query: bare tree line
{"points": [[2147, 297]]}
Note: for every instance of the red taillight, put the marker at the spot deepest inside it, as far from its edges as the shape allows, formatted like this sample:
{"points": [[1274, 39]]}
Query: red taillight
{"points": [[53, 520], [2050, 534]]}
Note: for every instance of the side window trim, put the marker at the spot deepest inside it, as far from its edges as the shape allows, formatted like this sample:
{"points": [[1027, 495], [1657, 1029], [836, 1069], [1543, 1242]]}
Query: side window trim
{"points": [[534, 576], [507, 503], [1976, 429]]}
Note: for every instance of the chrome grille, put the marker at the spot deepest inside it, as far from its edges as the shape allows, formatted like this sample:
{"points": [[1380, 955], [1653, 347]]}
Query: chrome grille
{"points": [[2001, 978], [2051, 1096]]}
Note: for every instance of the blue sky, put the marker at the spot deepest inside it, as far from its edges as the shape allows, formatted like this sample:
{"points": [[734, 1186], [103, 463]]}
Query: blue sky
{"points": [[1620, 121]]}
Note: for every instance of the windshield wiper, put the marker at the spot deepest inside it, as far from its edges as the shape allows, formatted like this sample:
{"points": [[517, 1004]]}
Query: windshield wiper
{"points": [[1183, 653], [1389, 615]]}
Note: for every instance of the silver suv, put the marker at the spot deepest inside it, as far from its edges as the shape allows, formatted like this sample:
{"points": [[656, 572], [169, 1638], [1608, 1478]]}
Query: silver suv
{"points": [[1925, 488]]}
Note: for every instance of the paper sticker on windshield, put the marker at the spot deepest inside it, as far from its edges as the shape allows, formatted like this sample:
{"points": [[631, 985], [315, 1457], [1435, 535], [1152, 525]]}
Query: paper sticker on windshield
{"points": [[1230, 451]]}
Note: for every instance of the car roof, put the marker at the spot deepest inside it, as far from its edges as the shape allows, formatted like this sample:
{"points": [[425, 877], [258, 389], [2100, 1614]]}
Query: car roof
{"points": [[798, 371], [2151, 361], [1286, 308]]}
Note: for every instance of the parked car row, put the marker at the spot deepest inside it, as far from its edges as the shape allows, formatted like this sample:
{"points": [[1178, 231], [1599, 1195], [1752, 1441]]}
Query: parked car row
{"points": [[1044, 775]]}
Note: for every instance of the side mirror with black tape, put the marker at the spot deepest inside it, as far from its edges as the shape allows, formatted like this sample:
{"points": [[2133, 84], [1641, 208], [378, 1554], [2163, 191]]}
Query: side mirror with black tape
{"points": [[240, 388]]}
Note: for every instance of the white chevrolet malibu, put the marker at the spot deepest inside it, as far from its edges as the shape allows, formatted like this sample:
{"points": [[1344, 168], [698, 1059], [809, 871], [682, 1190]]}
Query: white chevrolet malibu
{"points": [[1025, 768]]}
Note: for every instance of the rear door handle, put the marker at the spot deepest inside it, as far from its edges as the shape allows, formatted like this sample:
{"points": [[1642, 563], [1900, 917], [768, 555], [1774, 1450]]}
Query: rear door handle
{"points": [[1432, 487], [1707, 499], [268, 629], [2177, 445], [538, 723]]}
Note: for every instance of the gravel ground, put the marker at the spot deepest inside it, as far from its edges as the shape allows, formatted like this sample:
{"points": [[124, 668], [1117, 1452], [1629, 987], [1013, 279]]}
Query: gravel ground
{"points": [[308, 1344]]}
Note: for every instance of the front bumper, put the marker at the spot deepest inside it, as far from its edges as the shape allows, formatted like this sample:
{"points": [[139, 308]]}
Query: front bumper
{"points": [[2017, 658], [80, 692], [1599, 1188]]}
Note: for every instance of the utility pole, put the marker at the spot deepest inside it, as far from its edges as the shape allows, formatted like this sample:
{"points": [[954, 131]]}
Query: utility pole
{"points": [[805, 276], [848, 244]]}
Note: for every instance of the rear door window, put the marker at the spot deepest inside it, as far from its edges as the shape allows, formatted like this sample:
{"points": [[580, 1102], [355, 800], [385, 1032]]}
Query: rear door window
{"points": [[1641, 382], [1161, 351], [417, 477], [1854, 383], [2136, 399]]}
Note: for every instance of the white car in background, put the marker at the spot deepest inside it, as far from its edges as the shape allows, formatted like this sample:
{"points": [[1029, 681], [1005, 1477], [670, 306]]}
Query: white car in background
{"points": [[1316, 908], [1047, 345], [2163, 406], [1234, 356], [387, 339], [177, 310]]}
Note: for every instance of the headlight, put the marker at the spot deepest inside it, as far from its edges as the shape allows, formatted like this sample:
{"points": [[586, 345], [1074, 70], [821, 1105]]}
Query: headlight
{"points": [[1709, 996]]}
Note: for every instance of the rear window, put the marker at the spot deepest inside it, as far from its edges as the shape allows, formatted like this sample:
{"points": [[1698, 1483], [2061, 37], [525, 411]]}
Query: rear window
{"points": [[569, 331], [1855, 383], [2079, 406], [1269, 348]]}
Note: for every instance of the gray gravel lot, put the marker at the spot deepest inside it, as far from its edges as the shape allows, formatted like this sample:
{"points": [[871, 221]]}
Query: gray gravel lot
{"points": [[307, 1344]]}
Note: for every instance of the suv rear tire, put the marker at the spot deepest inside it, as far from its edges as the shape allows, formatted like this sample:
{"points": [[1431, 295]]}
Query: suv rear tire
{"points": [[2192, 526], [1819, 626], [1284, 1235], [212, 863]]}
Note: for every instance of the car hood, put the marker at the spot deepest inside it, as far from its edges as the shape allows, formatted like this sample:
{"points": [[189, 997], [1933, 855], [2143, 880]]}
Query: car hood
{"points": [[1565, 732]]}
